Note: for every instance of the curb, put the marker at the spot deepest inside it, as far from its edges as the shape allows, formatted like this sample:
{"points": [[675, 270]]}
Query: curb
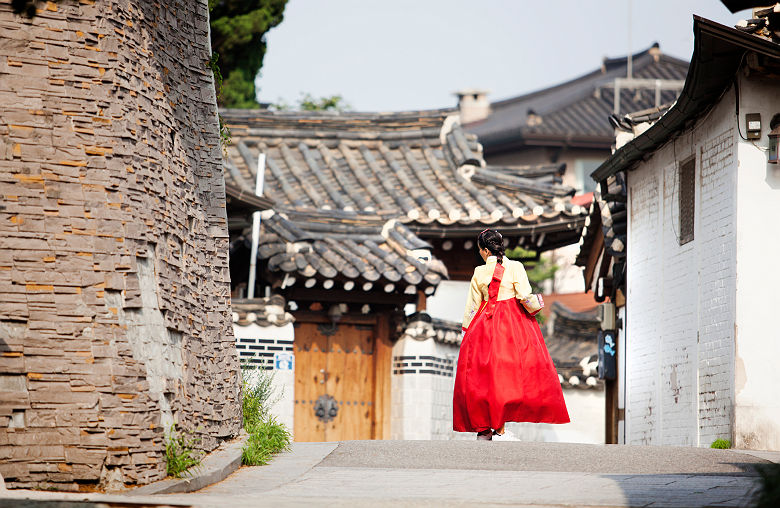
{"points": [[216, 466], [771, 456]]}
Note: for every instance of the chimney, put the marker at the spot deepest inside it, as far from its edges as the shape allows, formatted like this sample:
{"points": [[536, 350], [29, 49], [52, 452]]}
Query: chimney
{"points": [[473, 105]]}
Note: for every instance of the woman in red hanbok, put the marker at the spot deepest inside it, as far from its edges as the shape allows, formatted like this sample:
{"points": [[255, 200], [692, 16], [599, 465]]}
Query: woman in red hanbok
{"points": [[505, 373]]}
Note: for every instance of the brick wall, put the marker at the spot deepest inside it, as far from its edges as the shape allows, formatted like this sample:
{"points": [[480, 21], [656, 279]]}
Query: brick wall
{"points": [[717, 288], [114, 282], [681, 311], [644, 296]]}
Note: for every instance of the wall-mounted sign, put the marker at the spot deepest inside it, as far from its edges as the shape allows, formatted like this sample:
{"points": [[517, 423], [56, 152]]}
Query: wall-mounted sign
{"points": [[283, 361]]}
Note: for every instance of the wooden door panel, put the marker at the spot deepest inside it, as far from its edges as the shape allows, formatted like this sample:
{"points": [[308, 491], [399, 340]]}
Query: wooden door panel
{"points": [[351, 383], [311, 353], [335, 362]]}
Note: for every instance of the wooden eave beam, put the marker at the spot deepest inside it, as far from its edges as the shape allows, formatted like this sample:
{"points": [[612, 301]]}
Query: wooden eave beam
{"points": [[596, 249]]}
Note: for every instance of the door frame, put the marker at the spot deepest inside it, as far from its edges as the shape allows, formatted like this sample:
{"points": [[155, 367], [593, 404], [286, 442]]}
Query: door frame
{"points": [[382, 367]]}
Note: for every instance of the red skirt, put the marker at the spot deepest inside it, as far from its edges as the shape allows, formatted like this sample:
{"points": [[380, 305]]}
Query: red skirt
{"points": [[505, 373]]}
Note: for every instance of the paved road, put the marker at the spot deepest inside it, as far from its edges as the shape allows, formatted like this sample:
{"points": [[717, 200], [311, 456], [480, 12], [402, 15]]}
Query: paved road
{"points": [[465, 473]]}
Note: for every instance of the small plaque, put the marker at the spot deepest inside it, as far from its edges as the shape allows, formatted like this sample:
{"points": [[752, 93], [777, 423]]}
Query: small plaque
{"points": [[283, 361]]}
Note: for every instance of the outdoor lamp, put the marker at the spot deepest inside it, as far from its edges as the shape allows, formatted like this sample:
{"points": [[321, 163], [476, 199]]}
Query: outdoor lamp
{"points": [[774, 136]]}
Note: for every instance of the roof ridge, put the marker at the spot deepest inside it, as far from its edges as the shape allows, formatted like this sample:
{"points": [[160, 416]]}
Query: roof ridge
{"points": [[609, 66]]}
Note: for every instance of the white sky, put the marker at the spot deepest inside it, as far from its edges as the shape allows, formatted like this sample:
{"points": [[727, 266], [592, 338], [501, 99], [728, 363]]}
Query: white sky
{"points": [[412, 54]]}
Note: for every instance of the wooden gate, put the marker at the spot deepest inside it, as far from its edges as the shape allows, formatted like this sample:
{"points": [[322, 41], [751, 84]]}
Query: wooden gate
{"points": [[338, 378]]}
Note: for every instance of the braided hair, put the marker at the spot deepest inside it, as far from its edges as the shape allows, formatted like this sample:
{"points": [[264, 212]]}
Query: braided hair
{"points": [[492, 240]]}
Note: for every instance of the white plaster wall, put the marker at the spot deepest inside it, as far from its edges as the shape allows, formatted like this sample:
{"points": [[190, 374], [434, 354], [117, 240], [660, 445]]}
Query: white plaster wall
{"points": [[586, 411], [680, 310], [449, 301], [757, 411], [283, 380], [568, 278]]}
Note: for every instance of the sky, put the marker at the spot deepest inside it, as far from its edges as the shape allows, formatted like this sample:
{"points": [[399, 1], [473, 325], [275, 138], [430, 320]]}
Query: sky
{"points": [[383, 55]]}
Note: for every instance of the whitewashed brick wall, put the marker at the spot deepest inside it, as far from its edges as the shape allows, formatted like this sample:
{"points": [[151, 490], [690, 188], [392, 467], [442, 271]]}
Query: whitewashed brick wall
{"points": [[681, 311], [643, 320], [717, 288], [677, 319]]}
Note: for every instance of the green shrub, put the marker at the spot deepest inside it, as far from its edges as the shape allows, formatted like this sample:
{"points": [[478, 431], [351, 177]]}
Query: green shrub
{"points": [[768, 495], [259, 393], [180, 454], [266, 438], [721, 444]]}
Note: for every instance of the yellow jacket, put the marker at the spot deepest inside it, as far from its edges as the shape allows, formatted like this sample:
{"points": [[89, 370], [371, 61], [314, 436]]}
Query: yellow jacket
{"points": [[514, 284]]}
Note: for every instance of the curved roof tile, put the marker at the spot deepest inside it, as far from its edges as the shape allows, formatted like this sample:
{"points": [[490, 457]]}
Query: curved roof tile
{"points": [[347, 248], [419, 167]]}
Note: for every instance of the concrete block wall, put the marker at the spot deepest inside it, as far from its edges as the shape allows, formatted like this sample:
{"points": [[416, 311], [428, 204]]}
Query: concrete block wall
{"points": [[681, 312], [423, 378], [114, 279]]}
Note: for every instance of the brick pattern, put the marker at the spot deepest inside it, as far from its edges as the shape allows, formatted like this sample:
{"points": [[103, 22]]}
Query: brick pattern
{"points": [[681, 311], [717, 288], [423, 364], [110, 161], [261, 352], [642, 332], [677, 320]]}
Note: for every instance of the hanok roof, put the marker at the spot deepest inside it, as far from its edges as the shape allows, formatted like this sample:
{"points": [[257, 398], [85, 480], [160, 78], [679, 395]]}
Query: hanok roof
{"points": [[573, 346], [421, 326], [261, 311], [419, 167], [718, 53], [346, 251], [605, 231], [575, 113]]}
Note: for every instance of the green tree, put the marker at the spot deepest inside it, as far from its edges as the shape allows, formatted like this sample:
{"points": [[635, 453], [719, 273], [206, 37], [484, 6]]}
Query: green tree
{"points": [[308, 102], [238, 29], [539, 268]]}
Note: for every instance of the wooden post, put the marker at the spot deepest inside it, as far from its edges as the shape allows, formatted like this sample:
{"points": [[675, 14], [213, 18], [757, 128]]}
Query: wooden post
{"points": [[383, 358], [421, 301], [611, 406]]}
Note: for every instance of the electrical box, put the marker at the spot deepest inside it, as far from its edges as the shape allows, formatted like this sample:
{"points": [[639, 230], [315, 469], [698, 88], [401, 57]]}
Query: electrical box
{"points": [[753, 125], [607, 316]]}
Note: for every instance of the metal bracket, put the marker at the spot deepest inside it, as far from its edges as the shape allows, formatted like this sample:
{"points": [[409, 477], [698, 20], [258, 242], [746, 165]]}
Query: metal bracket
{"points": [[326, 408]]}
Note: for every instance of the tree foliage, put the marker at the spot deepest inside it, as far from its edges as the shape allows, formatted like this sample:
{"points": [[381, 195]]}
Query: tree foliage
{"points": [[538, 268], [238, 29], [308, 102]]}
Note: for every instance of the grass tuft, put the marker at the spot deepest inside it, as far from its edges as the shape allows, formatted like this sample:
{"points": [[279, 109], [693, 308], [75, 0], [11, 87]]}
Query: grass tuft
{"points": [[266, 436], [180, 454], [721, 444]]}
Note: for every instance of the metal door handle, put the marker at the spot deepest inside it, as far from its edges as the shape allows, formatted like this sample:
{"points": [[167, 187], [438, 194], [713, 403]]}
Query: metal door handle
{"points": [[324, 376]]}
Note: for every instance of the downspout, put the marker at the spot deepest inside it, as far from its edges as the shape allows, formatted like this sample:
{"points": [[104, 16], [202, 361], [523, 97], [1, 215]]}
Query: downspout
{"points": [[256, 227]]}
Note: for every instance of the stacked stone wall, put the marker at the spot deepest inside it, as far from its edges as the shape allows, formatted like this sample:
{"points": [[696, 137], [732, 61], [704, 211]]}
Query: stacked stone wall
{"points": [[114, 280]]}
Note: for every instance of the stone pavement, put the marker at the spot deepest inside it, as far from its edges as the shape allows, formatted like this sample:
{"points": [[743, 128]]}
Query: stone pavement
{"points": [[465, 473]]}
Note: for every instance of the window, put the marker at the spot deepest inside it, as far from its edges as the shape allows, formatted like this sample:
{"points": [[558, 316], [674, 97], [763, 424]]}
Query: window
{"points": [[687, 179], [582, 170]]}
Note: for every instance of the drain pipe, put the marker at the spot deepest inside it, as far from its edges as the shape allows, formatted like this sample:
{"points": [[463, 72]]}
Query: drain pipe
{"points": [[256, 227]]}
